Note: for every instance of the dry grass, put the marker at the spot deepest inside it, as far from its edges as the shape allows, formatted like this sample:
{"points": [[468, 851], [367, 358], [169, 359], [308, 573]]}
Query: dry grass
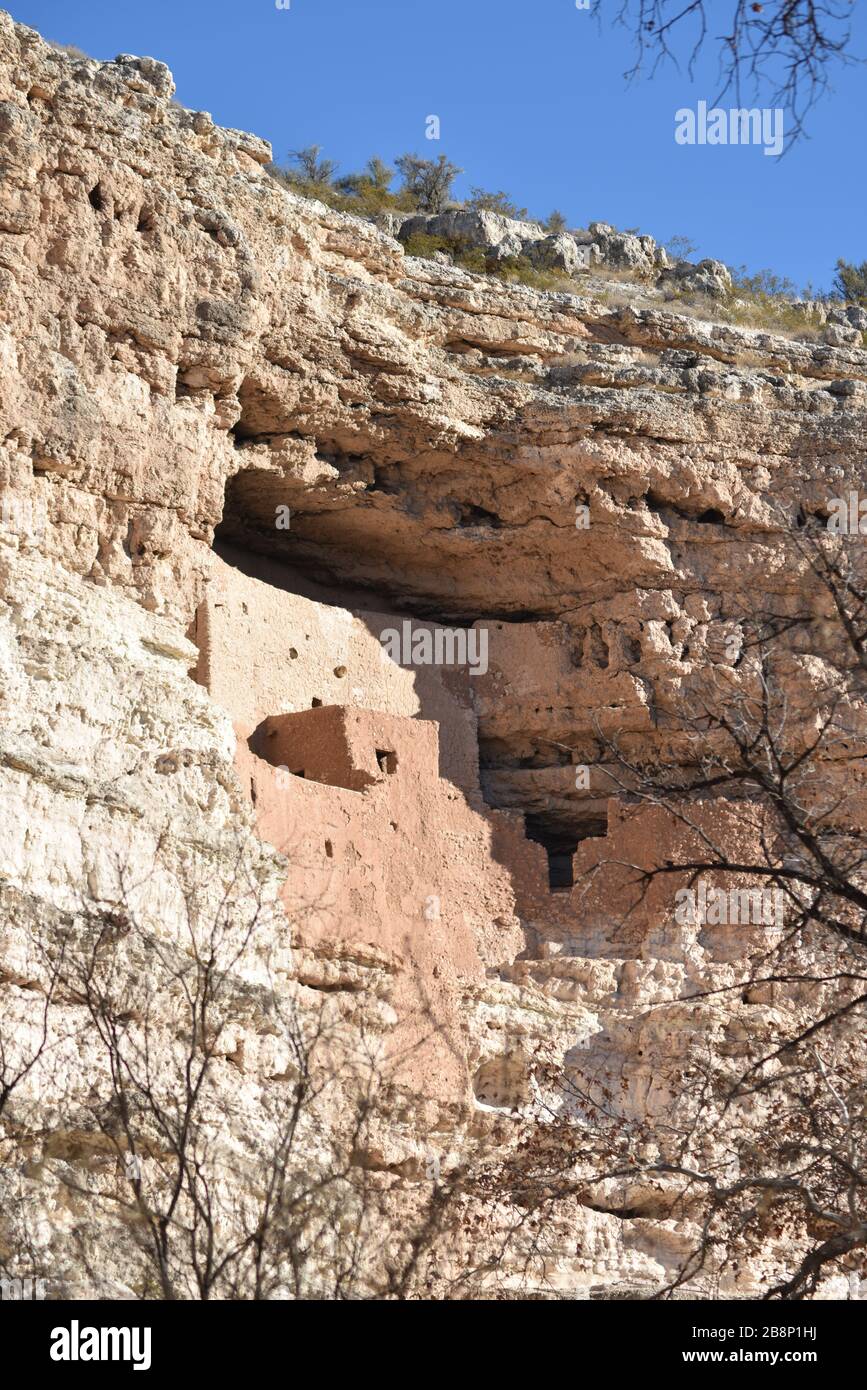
{"points": [[514, 270], [71, 50]]}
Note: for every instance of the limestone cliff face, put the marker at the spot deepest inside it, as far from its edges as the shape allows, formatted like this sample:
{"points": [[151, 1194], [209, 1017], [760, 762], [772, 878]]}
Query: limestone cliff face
{"points": [[187, 349]]}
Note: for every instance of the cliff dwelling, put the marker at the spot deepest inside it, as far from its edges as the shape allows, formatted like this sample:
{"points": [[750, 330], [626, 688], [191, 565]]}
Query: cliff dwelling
{"points": [[391, 644]]}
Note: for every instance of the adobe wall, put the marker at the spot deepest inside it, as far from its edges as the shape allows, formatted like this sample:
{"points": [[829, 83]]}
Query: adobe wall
{"points": [[266, 650], [410, 859]]}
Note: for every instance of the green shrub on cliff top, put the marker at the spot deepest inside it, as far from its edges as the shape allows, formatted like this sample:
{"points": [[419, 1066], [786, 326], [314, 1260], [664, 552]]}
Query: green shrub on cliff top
{"points": [[850, 282]]}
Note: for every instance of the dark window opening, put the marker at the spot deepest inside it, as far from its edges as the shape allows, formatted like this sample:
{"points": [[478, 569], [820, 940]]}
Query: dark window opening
{"points": [[561, 868], [560, 840], [560, 845], [386, 761]]}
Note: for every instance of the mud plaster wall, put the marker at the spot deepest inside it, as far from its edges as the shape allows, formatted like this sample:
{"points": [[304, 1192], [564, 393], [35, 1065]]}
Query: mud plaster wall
{"points": [[414, 862]]}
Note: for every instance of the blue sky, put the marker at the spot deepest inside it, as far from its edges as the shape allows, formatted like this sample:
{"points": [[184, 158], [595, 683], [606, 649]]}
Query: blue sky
{"points": [[531, 98]]}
